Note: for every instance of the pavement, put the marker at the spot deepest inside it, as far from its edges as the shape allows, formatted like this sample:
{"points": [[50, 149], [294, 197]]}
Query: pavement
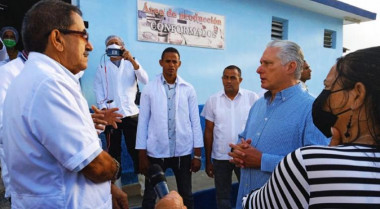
{"points": [[200, 181]]}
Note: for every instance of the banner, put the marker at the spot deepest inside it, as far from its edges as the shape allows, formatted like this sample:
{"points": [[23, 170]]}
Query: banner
{"points": [[167, 24]]}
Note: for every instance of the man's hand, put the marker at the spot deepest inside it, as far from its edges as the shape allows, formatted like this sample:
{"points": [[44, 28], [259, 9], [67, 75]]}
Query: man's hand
{"points": [[98, 118], [143, 162], [112, 117], [336, 138], [236, 152], [244, 155], [209, 169], [195, 165], [126, 54], [119, 198], [105, 117], [171, 201]]}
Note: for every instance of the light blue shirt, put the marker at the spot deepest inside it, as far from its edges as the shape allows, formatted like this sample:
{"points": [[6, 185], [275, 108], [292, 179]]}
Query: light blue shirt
{"points": [[276, 129], [152, 130], [170, 94]]}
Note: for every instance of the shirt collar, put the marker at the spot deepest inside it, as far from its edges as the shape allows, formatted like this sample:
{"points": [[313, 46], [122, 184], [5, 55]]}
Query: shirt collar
{"points": [[69, 74], [179, 80], [223, 93], [165, 82], [56, 66], [285, 93]]}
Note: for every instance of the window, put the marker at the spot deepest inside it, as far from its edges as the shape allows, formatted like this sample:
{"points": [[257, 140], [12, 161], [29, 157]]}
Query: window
{"points": [[279, 29], [329, 39]]}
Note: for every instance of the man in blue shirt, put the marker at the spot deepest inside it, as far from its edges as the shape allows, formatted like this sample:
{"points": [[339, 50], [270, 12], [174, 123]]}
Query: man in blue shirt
{"points": [[279, 122]]}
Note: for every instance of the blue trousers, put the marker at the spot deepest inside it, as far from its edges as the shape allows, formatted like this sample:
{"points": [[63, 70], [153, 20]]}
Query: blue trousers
{"points": [[181, 169], [223, 181]]}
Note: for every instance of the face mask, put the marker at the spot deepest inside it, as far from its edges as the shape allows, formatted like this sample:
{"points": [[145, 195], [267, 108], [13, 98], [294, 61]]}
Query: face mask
{"points": [[113, 46], [324, 120], [9, 43]]}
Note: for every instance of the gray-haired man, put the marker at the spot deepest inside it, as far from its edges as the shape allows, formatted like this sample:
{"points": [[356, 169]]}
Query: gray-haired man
{"points": [[279, 122], [115, 85]]}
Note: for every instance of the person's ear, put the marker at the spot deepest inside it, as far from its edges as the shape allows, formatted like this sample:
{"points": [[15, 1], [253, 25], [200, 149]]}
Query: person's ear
{"points": [[291, 67], [161, 63], [56, 40], [240, 79], [359, 94], [179, 63]]}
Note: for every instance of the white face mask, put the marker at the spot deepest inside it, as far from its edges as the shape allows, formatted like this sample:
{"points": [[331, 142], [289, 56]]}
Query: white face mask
{"points": [[113, 46]]}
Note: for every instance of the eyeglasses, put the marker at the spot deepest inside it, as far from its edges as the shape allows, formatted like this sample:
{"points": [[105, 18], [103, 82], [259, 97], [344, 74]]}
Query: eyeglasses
{"points": [[83, 33]]}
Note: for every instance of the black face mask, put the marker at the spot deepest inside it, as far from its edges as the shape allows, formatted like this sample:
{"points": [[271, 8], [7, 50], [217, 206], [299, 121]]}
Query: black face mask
{"points": [[324, 120]]}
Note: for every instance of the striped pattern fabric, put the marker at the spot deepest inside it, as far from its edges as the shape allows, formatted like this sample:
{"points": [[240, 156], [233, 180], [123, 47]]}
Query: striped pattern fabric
{"points": [[346, 176]]}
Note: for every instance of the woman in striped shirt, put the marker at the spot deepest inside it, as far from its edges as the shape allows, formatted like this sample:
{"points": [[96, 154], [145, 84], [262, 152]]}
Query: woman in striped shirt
{"points": [[346, 175]]}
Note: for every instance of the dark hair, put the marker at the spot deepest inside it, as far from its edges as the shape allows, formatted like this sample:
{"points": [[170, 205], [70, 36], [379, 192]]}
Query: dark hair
{"points": [[363, 66], [170, 49], [41, 19], [232, 67]]}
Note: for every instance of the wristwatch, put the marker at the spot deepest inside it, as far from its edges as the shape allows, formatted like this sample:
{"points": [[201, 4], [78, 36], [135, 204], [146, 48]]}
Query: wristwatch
{"points": [[198, 157]]}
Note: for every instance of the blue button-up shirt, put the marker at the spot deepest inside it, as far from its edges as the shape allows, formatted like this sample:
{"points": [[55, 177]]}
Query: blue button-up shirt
{"points": [[277, 128], [170, 94]]}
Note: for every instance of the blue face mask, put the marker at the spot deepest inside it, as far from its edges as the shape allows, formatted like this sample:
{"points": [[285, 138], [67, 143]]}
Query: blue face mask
{"points": [[324, 120]]}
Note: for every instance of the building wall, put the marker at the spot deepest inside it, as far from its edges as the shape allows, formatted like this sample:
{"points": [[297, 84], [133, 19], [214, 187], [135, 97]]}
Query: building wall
{"points": [[247, 31]]}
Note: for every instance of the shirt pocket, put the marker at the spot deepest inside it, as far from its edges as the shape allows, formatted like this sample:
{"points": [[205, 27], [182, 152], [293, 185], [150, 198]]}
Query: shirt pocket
{"points": [[25, 201]]}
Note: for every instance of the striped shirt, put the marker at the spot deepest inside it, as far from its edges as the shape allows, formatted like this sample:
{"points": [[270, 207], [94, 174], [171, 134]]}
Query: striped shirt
{"points": [[346, 176]]}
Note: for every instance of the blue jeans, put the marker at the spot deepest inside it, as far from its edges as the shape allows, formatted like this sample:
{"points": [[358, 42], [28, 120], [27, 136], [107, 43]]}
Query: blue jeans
{"points": [[223, 181], [181, 168]]}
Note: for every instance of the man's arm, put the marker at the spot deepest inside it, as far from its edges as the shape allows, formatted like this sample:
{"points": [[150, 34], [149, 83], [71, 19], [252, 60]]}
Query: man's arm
{"points": [[208, 140], [128, 56], [196, 129], [142, 131], [102, 168], [246, 156], [119, 198], [141, 75], [143, 162], [195, 120], [98, 89], [140, 72]]}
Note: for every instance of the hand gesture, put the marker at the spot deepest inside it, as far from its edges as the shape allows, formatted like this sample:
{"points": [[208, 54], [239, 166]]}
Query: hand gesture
{"points": [[119, 198], [105, 117]]}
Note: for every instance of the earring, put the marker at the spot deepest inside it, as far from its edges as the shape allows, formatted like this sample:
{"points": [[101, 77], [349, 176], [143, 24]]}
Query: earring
{"points": [[347, 134]]}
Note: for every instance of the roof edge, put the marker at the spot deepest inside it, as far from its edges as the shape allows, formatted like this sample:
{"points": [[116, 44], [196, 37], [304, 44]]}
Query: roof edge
{"points": [[348, 8]]}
